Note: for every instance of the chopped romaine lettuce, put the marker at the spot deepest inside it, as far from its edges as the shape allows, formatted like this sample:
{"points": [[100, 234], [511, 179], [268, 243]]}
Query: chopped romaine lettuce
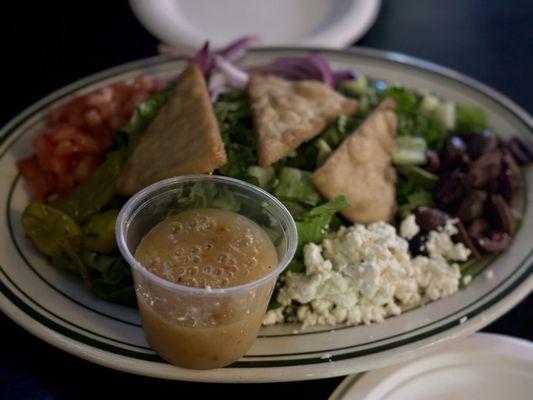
{"points": [[312, 227], [310, 155], [413, 189], [236, 127], [145, 112], [294, 184], [419, 176], [297, 210], [265, 176], [113, 282], [413, 122], [406, 99], [205, 196]]}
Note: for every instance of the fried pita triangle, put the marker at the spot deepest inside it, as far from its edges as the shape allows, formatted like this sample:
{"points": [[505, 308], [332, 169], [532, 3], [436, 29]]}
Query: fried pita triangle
{"points": [[183, 138], [361, 169], [288, 113]]}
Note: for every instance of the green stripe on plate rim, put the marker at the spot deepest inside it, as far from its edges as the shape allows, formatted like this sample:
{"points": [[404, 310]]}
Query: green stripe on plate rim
{"points": [[373, 54]]}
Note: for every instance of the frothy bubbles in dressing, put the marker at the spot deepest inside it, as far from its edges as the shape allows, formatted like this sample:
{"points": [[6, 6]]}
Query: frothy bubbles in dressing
{"points": [[207, 248]]}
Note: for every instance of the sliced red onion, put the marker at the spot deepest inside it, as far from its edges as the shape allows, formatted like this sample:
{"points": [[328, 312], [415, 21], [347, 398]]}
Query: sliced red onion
{"points": [[222, 74], [236, 50], [342, 75], [325, 70], [216, 85], [314, 66], [204, 59], [236, 77]]}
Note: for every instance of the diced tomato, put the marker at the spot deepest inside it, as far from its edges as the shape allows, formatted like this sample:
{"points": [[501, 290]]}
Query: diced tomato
{"points": [[43, 146], [64, 183], [61, 165], [79, 132], [66, 148], [39, 182]]}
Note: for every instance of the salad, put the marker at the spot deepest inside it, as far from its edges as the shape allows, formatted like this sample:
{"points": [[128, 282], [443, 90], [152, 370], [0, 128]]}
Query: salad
{"points": [[396, 194]]}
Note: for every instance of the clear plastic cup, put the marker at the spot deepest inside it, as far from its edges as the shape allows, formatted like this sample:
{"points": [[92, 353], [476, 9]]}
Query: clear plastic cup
{"points": [[196, 327]]}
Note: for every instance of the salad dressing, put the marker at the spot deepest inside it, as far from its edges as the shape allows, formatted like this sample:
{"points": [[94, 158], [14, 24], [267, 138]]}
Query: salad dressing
{"points": [[212, 249]]}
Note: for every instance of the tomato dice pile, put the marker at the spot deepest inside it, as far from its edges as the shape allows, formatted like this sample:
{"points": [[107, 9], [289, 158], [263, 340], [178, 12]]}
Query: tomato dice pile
{"points": [[78, 135]]}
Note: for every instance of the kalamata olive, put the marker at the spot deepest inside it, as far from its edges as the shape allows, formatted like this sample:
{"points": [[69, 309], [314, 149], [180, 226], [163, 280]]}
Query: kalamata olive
{"points": [[455, 144], [450, 187], [520, 150], [498, 241], [510, 181], [485, 169], [478, 228], [472, 206], [417, 245], [454, 154], [480, 143], [502, 215], [465, 239], [430, 219], [433, 161]]}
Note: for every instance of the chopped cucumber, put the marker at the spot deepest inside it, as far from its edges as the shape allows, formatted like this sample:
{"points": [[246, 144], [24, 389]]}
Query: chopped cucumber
{"points": [[354, 87], [445, 113], [470, 117], [410, 151], [428, 105]]}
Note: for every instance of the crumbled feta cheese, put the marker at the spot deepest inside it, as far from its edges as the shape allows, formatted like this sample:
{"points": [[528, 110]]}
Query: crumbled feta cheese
{"points": [[409, 228], [273, 317], [313, 260], [364, 274], [440, 245], [436, 277], [467, 279], [489, 274]]}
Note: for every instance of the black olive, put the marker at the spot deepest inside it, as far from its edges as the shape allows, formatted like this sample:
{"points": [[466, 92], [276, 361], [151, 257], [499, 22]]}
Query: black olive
{"points": [[480, 143], [417, 245], [430, 219]]}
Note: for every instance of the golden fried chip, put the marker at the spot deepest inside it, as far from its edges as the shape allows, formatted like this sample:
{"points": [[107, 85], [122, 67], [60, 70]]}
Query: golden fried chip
{"points": [[288, 113], [183, 138], [361, 168]]}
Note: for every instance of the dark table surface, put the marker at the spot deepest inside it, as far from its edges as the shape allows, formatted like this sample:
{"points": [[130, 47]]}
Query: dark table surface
{"points": [[46, 45]]}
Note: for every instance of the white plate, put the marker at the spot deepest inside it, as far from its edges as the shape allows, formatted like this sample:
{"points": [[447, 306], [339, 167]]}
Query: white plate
{"points": [[483, 366], [55, 307], [188, 24]]}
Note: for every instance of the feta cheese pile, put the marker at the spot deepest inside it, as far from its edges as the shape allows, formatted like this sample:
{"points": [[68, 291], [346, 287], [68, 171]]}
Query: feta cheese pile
{"points": [[363, 274]]}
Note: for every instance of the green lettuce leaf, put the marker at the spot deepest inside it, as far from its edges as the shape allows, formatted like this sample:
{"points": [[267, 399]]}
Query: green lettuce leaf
{"points": [[234, 117], [312, 227], [142, 115], [294, 184], [204, 196], [413, 122]]}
